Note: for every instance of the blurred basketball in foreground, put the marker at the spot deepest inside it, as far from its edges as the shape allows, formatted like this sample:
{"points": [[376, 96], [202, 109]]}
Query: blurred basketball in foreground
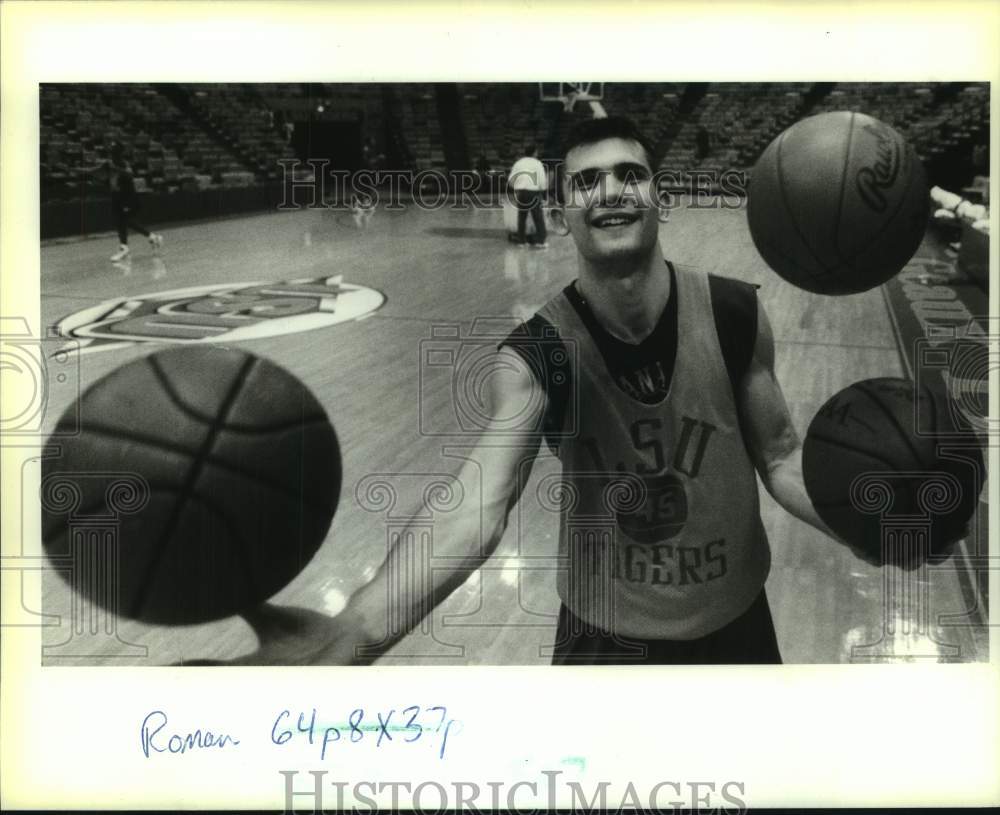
{"points": [[220, 471], [864, 464], [838, 203]]}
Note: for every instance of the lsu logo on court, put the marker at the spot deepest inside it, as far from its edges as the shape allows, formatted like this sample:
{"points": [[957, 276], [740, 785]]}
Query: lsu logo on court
{"points": [[221, 313]]}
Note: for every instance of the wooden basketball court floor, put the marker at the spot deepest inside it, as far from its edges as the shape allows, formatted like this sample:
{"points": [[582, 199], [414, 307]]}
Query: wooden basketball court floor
{"points": [[450, 267]]}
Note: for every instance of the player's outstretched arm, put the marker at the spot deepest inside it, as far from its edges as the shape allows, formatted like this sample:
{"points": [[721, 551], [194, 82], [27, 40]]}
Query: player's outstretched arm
{"points": [[771, 438], [383, 611], [467, 536], [775, 446]]}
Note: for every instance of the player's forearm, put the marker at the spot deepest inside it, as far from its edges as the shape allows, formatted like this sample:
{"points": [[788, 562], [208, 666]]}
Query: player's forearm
{"points": [[786, 485], [406, 588]]}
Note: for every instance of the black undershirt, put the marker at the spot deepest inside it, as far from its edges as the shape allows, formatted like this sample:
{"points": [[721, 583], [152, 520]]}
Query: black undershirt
{"points": [[643, 370]]}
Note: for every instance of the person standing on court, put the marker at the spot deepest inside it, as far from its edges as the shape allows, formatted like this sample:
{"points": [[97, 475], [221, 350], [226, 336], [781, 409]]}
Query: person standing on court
{"points": [[528, 181], [664, 411], [124, 201]]}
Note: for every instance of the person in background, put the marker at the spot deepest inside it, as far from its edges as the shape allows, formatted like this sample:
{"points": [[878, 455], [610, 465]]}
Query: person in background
{"points": [[952, 206], [702, 143], [124, 201], [483, 170], [362, 209], [528, 181]]}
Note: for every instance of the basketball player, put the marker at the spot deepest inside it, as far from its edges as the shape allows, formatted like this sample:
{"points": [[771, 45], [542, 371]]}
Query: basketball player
{"points": [[362, 209], [673, 413], [124, 202]]}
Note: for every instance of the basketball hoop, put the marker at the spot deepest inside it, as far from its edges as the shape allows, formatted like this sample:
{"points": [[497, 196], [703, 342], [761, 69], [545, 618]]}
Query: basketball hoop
{"points": [[580, 88], [569, 93]]}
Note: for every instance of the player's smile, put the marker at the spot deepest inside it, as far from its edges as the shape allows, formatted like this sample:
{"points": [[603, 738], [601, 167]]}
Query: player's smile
{"points": [[609, 196], [616, 220]]}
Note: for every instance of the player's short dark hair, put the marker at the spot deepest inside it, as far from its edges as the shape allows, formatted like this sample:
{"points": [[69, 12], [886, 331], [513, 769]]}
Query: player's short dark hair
{"points": [[591, 131], [530, 148]]}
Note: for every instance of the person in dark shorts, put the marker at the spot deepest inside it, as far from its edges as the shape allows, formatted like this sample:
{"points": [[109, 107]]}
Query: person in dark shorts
{"points": [[654, 385], [528, 182], [124, 201]]}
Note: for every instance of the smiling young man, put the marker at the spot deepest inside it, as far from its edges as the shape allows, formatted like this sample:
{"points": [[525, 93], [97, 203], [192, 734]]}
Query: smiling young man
{"points": [[675, 409], [662, 406]]}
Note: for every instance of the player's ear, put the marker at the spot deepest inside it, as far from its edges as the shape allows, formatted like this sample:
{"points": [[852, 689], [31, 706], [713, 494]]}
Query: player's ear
{"points": [[556, 204], [663, 201]]}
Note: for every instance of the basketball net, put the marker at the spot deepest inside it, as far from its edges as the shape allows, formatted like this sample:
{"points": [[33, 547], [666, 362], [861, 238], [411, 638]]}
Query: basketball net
{"points": [[596, 108]]}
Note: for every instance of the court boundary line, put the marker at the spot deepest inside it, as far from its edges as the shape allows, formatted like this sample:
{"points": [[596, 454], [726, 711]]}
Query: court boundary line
{"points": [[977, 605]]}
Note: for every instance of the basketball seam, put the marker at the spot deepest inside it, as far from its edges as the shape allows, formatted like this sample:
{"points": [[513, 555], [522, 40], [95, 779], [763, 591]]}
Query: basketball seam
{"points": [[895, 423], [234, 537], [315, 503], [772, 246], [843, 187], [837, 504], [135, 603], [788, 210], [238, 544], [839, 443], [174, 396], [235, 427], [252, 430], [191, 476]]}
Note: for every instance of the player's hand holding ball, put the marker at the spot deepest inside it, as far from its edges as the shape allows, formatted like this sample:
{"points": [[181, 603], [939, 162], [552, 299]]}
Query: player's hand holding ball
{"points": [[837, 205], [299, 636], [884, 467]]}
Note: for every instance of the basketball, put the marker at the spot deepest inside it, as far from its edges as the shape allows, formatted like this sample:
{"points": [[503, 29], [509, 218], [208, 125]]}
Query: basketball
{"points": [[838, 203], [219, 470], [873, 453]]}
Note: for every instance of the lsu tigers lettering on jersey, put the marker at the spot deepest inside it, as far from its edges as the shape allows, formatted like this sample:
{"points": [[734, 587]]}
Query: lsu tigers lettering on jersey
{"points": [[663, 537]]}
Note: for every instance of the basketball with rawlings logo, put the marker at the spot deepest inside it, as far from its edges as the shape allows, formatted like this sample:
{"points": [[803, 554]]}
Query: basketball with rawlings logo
{"points": [[838, 203]]}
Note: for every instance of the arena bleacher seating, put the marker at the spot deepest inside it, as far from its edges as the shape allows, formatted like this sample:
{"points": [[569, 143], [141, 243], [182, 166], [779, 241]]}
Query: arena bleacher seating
{"points": [[206, 136]]}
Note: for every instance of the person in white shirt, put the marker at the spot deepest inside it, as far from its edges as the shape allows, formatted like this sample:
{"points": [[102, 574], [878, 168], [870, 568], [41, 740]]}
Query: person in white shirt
{"points": [[528, 181]]}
